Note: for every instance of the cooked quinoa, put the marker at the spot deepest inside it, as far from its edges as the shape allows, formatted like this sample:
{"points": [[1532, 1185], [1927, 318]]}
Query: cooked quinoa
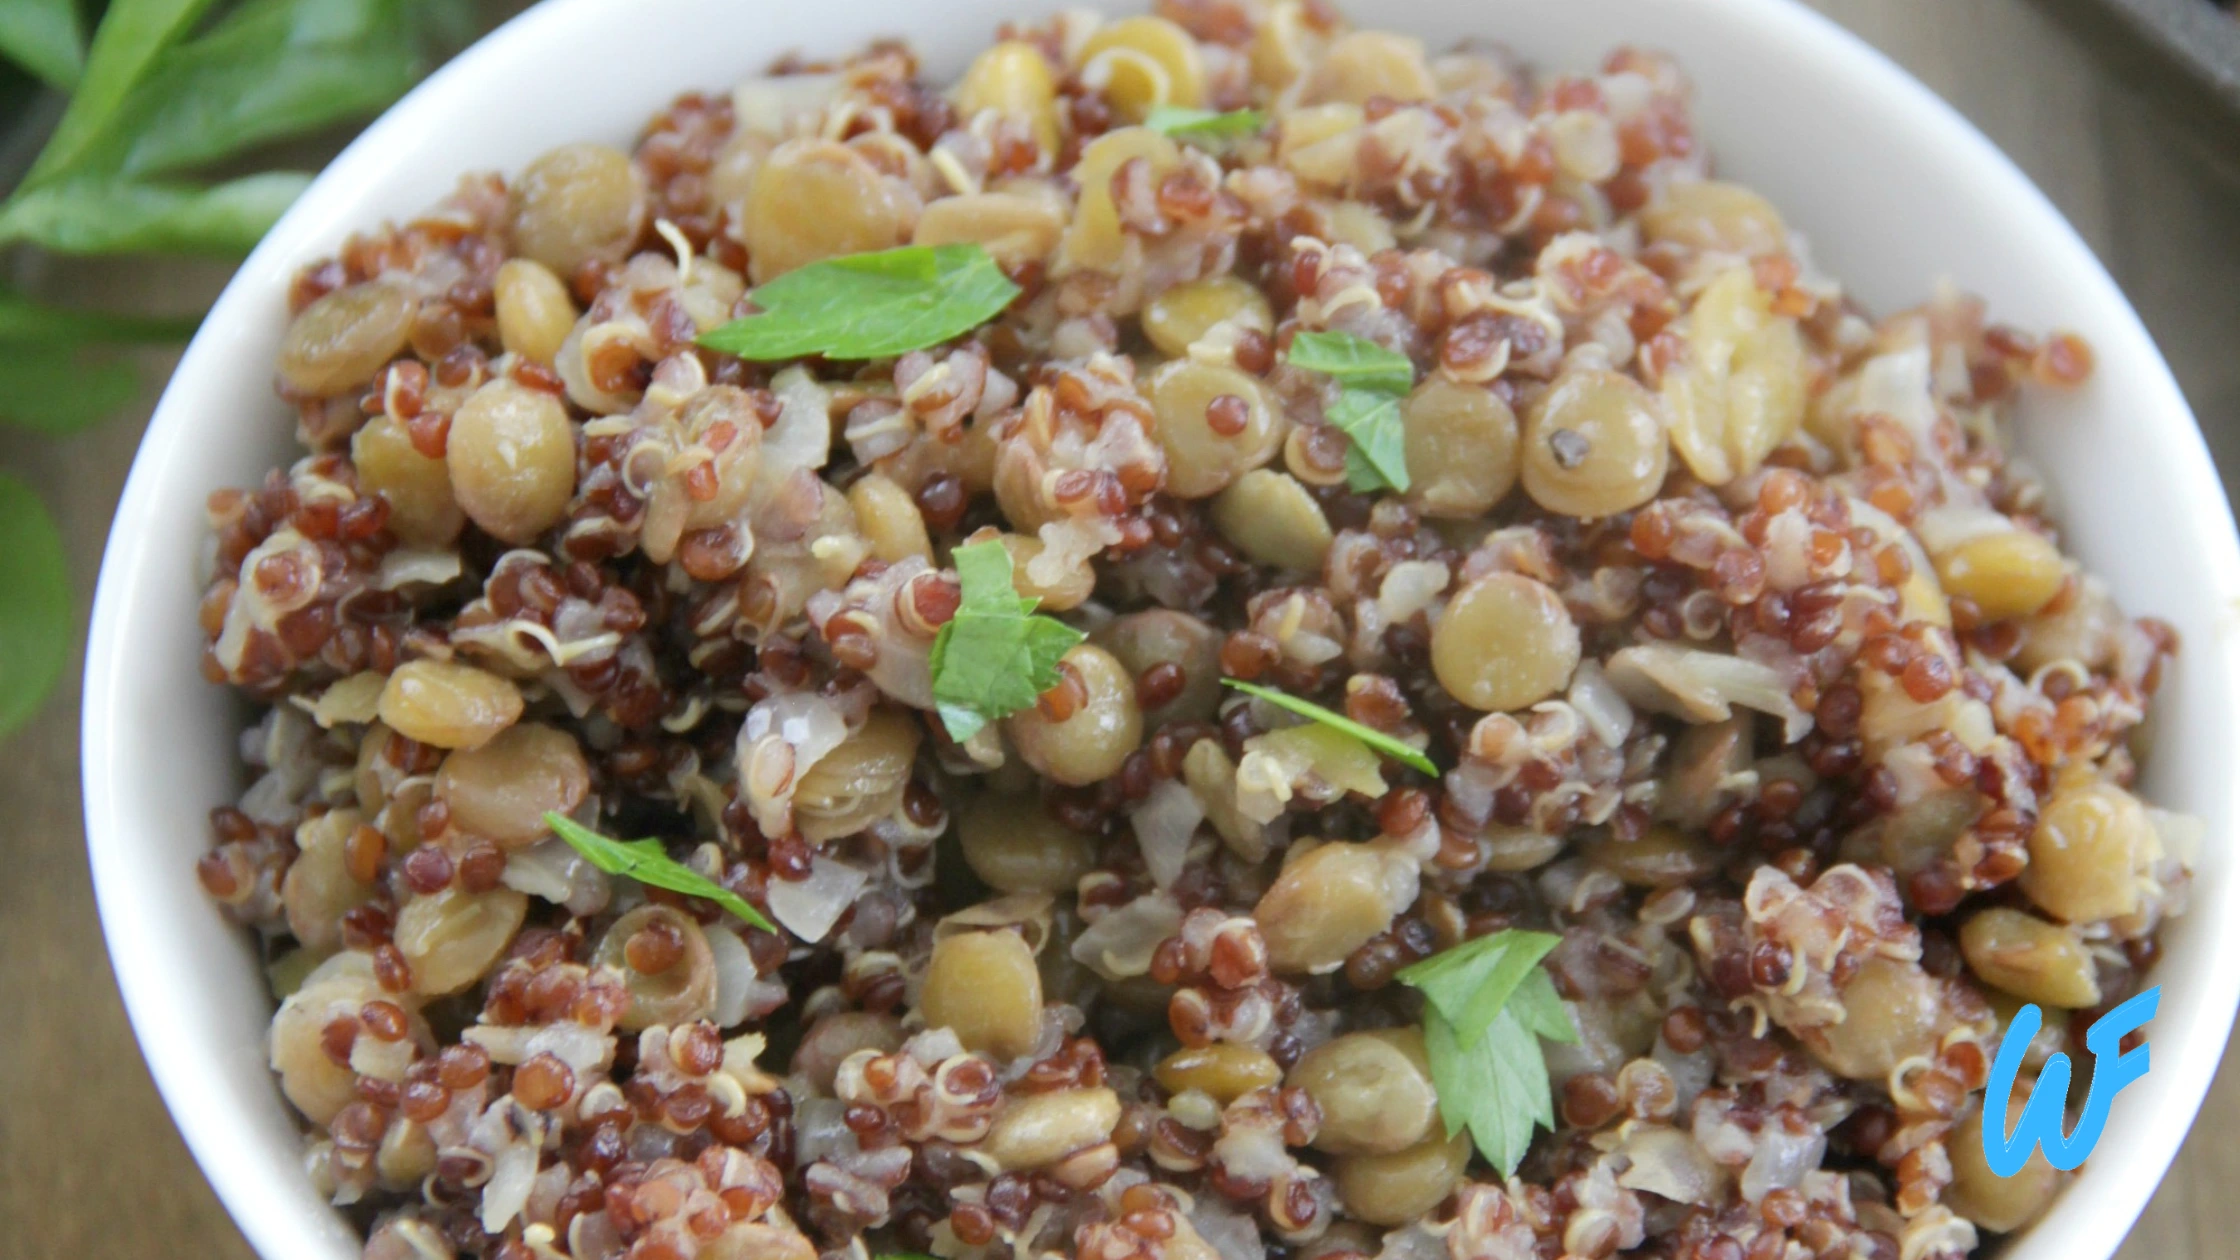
{"points": [[1744, 648]]}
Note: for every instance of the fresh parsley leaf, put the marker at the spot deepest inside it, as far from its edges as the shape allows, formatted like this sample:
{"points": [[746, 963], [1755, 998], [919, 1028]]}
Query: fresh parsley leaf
{"points": [[870, 306], [646, 862], [44, 37], [1204, 126], [1497, 1089], [1372, 381], [1354, 362], [36, 619], [1538, 1007], [1487, 1004], [997, 654], [1374, 738], [1377, 453], [1470, 983]]}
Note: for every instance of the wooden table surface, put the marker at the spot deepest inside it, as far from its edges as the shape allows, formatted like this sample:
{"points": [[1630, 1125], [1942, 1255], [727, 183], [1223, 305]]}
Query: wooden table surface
{"points": [[90, 1165]]}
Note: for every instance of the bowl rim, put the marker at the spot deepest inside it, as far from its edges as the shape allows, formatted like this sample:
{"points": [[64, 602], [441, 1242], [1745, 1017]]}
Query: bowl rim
{"points": [[140, 959]]}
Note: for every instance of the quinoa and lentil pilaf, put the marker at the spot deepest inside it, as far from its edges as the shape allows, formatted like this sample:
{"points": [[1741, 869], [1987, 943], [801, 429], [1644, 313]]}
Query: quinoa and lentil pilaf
{"points": [[1743, 643]]}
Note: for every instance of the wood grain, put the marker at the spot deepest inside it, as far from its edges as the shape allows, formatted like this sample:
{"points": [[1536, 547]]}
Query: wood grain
{"points": [[90, 1165]]}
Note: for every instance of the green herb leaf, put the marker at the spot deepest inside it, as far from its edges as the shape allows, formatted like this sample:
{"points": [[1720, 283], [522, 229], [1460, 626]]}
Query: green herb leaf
{"points": [[1538, 1007], [101, 216], [1354, 362], [1204, 126], [54, 375], [1470, 983], [1377, 454], [1371, 736], [58, 388], [272, 69], [36, 621], [44, 37], [646, 862], [153, 101], [25, 322], [1497, 1089], [997, 654], [131, 36], [1487, 1004], [1372, 381], [870, 306]]}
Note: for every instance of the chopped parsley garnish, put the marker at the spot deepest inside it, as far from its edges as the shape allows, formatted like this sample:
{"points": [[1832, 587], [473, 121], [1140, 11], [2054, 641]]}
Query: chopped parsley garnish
{"points": [[1369, 735], [870, 306], [997, 654], [1378, 456], [644, 861], [1372, 381], [1204, 126], [1354, 362], [1487, 1004]]}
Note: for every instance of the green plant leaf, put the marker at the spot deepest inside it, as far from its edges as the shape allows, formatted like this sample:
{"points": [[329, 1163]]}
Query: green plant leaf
{"points": [[59, 388], [153, 101], [646, 862], [1204, 127], [25, 322], [1369, 735], [1472, 981], [1487, 1004], [870, 306], [1497, 1089], [1377, 440], [36, 620], [272, 69], [1355, 362], [1372, 381], [55, 375], [45, 37], [132, 34], [1539, 1008], [101, 217], [997, 654]]}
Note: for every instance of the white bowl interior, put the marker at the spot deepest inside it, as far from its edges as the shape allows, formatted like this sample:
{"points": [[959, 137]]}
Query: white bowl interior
{"points": [[1892, 187]]}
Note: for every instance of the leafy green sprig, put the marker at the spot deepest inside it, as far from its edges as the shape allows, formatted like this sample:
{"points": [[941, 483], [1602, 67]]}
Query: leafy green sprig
{"points": [[1205, 127], [35, 614], [646, 862], [870, 306], [162, 90], [1374, 738], [1487, 1005], [996, 655], [1372, 382], [156, 97]]}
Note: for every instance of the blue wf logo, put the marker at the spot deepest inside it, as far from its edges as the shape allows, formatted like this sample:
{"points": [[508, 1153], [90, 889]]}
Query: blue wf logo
{"points": [[2042, 1114]]}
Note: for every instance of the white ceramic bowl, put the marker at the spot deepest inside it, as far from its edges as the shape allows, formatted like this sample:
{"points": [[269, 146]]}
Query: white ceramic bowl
{"points": [[1892, 187]]}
